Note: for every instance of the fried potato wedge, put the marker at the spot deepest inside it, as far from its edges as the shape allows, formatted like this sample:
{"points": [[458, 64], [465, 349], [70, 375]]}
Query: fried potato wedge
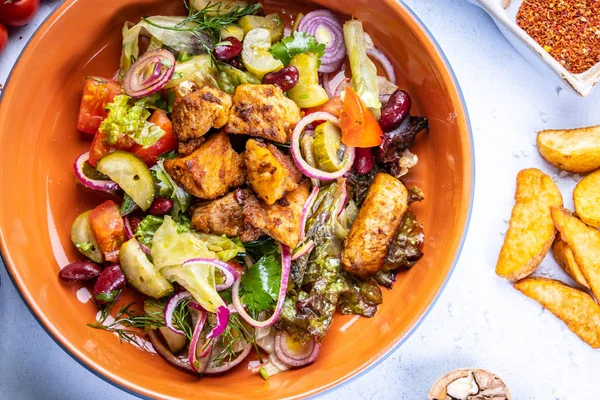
{"points": [[574, 307], [565, 258], [584, 241], [586, 197], [573, 150], [531, 230]]}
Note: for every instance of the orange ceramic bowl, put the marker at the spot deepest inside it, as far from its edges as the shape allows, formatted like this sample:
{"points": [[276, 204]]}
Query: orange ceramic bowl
{"points": [[39, 198]]}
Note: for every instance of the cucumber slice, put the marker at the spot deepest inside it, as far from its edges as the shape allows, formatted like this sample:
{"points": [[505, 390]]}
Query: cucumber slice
{"points": [[141, 273], [272, 22], [132, 175], [307, 93], [328, 140], [255, 53], [83, 238]]}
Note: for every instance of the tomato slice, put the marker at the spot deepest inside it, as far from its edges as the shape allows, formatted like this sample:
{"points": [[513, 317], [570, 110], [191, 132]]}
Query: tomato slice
{"points": [[109, 229], [359, 127], [97, 93], [333, 106], [100, 147], [166, 143]]}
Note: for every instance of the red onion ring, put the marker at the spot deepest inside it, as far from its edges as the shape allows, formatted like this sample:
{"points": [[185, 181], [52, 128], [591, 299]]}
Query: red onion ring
{"points": [[342, 199], [230, 273], [294, 358], [137, 84], [385, 63], [303, 249], [332, 83], [341, 87], [194, 343], [222, 321], [286, 264], [129, 233], [305, 211], [335, 50], [95, 184], [232, 363], [170, 309], [304, 167], [166, 353]]}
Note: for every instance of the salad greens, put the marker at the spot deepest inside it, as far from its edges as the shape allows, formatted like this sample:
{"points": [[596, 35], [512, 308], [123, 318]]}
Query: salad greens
{"points": [[260, 284], [127, 117], [166, 187], [300, 42]]}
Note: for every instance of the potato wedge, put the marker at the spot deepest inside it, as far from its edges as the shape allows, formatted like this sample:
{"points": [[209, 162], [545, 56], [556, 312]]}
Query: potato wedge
{"points": [[586, 197], [574, 307], [584, 241], [565, 258], [531, 230], [573, 150]]}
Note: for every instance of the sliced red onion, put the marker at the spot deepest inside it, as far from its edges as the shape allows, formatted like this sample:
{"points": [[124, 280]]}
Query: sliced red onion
{"points": [[129, 233], [303, 249], [200, 368], [306, 211], [341, 87], [331, 83], [291, 356], [149, 73], [95, 184], [385, 63], [316, 23], [230, 273], [166, 353], [286, 264], [222, 321], [170, 309], [304, 167], [341, 202], [384, 98], [223, 368]]}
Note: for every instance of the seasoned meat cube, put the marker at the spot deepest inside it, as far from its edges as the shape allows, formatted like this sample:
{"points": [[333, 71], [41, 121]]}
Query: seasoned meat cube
{"points": [[281, 220], [368, 241], [196, 113], [211, 170], [262, 111], [270, 172], [225, 216]]}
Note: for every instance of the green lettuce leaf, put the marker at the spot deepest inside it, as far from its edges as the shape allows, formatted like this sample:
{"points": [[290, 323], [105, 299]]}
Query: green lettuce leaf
{"points": [[166, 187], [300, 42], [127, 117]]}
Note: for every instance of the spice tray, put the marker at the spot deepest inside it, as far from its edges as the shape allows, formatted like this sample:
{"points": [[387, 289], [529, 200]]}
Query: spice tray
{"points": [[504, 13]]}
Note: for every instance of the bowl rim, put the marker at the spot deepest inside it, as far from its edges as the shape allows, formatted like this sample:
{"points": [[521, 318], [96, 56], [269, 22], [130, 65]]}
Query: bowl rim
{"points": [[136, 391]]}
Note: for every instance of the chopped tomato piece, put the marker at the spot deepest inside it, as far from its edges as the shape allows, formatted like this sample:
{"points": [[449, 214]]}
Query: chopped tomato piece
{"points": [[97, 93], [100, 147], [359, 126], [166, 143], [109, 229], [333, 106]]}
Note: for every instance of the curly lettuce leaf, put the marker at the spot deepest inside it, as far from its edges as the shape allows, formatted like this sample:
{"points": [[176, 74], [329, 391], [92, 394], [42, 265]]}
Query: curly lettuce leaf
{"points": [[300, 42], [130, 118]]}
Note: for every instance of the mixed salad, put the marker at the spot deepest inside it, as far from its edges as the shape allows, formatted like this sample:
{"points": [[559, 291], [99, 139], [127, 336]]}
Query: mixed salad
{"points": [[252, 166]]}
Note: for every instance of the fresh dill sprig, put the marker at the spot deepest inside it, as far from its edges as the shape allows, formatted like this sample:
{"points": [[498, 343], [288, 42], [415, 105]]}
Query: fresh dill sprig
{"points": [[209, 21]]}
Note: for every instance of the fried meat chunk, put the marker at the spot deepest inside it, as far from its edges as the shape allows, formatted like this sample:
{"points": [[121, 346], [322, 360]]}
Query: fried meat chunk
{"points": [[211, 170], [196, 113], [263, 111]]}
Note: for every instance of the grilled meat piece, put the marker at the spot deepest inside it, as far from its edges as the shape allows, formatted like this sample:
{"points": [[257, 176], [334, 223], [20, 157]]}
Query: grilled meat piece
{"points": [[211, 170], [270, 172], [262, 111], [196, 113], [281, 220]]}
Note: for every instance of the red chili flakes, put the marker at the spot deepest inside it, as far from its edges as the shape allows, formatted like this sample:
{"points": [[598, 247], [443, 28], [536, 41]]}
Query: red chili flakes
{"points": [[567, 29]]}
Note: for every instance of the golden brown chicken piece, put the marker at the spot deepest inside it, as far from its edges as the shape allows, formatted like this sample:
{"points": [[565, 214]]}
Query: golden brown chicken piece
{"points": [[281, 220], [225, 216], [211, 170], [263, 111], [196, 113], [270, 172], [368, 242]]}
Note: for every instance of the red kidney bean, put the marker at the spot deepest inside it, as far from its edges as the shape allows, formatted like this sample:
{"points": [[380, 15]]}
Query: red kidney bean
{"points": [[363, 163], [285, 78], [236, 63], [134, 221], [161, 206], [394, 112], [80, 271], [109, 284], [226, 52]]}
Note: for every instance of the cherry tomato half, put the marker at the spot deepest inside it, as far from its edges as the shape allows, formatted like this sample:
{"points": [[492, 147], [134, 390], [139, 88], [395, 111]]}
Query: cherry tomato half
{"points": [[18, 12]]}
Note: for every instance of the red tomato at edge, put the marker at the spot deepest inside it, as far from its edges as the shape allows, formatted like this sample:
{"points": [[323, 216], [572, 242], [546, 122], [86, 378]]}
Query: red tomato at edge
{"points": [[166, 143], [97, 93], [3, 37], [109, 229], [100, 147], [18, 12]]}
